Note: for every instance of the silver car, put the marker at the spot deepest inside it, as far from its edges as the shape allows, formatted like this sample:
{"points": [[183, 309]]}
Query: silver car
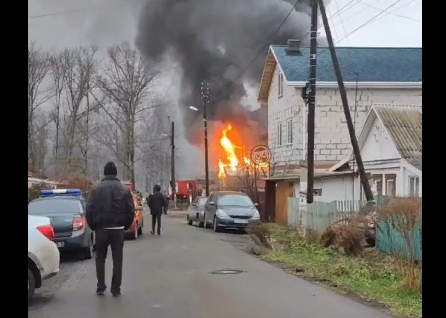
{"points": [[195, 213]]}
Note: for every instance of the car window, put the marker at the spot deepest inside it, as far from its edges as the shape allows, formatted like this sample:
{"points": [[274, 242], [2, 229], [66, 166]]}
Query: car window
{"points": [[234, 200], [53, 206], [202, 201]]}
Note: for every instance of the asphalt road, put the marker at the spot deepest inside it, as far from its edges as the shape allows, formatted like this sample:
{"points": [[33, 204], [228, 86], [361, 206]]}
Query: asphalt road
{"points": [[169, 277]]}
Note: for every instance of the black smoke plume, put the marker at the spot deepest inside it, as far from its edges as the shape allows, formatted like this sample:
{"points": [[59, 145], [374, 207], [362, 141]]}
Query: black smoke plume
{"points": [[216, 40]]}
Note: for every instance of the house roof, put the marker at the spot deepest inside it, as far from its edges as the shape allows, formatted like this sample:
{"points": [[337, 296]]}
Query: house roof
{"points": [[373, 64], [404, 126]]}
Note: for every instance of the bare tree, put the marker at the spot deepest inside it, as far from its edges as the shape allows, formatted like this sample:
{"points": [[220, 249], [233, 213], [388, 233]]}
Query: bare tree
{"points": [[38, 67], [58, 75], [125, 81], [80, 66]]}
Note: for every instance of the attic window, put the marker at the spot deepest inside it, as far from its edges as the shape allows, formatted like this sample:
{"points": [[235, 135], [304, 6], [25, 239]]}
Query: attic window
{"points": [[280, 89]]}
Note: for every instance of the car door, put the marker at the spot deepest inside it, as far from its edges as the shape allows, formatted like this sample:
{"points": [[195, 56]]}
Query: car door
{"points": [[193, 210], [207, 208], [212, 208]]}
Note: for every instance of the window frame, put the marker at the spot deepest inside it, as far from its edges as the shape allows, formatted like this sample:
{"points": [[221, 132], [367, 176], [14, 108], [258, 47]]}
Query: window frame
{"points": [[416, 186], [279, 134], [280, 85], [289, 133]]}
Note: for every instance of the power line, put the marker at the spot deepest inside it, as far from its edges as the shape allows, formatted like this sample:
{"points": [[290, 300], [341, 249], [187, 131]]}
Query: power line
{"points": [[368, 21], [391, 12], [69, 11], [340, 17], [397, 9], [340, 10]]}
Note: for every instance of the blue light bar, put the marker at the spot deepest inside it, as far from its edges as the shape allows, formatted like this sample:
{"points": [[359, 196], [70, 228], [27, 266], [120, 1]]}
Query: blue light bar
{"points": [[60, 192]]}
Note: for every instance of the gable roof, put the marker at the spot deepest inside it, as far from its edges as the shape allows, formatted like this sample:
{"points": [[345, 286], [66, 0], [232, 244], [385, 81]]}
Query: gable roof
{"points": [[404, 126], [373, 64]]}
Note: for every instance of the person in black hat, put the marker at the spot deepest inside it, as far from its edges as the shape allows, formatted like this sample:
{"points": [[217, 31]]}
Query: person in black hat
{"points": [[110, 211], [157, 202]]}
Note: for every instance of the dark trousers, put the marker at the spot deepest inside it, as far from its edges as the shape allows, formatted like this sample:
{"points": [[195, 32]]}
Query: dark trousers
{"points": [[156, 220], [114, 238]]}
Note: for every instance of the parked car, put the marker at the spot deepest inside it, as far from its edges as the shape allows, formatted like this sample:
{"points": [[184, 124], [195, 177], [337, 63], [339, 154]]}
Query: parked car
{"points": [[43, 255], [195, 213], [138, 223], [66, 210], [230, 209]]}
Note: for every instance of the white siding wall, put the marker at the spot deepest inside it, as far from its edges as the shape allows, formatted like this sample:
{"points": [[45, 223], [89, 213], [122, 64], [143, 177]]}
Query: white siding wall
{"points": [[331, 134]]}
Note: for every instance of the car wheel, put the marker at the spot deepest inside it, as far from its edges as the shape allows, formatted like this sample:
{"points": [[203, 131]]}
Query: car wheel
{"points": [[217, 228], [88, 251], [189, 221], [205, 223], [31, 284]]}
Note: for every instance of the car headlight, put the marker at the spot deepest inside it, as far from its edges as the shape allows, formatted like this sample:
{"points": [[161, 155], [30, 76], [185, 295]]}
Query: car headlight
{"points": [[222, 215], [256, 215]]}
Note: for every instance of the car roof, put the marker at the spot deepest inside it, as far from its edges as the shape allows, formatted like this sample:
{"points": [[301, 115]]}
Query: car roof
{"points": [[59, 197], [229, 192]]}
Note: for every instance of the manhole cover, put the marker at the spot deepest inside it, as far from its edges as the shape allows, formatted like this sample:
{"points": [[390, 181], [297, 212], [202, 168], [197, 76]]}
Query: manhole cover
{"points": [[227, 271]]}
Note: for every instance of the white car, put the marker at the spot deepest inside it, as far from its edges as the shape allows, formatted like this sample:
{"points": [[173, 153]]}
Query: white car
{"points": [[43, 254]]}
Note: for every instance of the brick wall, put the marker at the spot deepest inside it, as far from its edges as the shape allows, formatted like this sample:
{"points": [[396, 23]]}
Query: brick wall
{"points": [[332, 141]]}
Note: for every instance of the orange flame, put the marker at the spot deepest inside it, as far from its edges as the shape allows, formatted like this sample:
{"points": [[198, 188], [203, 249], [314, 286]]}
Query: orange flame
{"points": [[231, 155]]}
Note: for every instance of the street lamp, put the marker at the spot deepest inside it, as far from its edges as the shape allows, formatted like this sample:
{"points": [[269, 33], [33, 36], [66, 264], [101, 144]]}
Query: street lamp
{"points": [[205, 96]]}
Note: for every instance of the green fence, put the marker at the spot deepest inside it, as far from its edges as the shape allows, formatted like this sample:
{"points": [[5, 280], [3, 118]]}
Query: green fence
{"points": [[391, 241]]}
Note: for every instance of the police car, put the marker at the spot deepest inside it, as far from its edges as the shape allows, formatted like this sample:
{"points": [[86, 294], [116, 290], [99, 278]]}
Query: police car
{"points": [[66, 210]]}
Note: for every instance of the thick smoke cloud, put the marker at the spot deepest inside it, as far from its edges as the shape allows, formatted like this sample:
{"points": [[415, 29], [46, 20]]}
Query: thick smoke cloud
{"points": [[216, 40]]}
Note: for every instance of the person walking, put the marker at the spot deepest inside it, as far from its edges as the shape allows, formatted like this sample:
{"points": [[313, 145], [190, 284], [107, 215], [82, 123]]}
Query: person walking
{"points": [[157, 202], [110, 211]]}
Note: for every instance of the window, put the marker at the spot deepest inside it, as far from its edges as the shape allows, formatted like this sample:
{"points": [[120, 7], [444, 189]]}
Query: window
{"points": [[414, 185], [290, 131], [391, 185], [279, 134], [235, 200], [280, 81], [378, 184], [46, 206]]}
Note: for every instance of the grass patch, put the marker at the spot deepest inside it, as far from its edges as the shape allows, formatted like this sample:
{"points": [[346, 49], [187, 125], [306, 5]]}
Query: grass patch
{"points": [[367, 277]]}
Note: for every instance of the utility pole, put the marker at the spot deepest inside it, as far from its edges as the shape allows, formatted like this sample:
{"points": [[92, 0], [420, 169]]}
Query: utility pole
{"points": [[312, 101], [205, 93], [348, 117], [172, 170]]}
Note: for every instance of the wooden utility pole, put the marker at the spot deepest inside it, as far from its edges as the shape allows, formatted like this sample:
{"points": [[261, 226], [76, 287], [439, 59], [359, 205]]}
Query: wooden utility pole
{"points": [[348, 117], [205, 94], [172, 170], [312, 101]]}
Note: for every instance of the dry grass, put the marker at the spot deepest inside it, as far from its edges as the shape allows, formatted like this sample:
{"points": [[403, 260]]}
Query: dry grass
{"points": [[374, 276]]}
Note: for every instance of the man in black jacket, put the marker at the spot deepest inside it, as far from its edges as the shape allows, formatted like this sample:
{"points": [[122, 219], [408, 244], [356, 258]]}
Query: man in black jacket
{"points": [[157, 202], [110, 211]]}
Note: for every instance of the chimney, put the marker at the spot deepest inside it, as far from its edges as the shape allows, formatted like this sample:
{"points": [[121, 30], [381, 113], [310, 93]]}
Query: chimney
{"points": [[293, 45]]}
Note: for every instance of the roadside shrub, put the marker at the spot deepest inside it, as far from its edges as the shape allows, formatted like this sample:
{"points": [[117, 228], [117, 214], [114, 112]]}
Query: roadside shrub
{"points": [[261, 235], [343, 236]]}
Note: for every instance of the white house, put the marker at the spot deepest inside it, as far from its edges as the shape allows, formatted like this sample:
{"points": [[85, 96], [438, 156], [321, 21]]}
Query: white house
{"points": [[391, 149], [372, 76]]}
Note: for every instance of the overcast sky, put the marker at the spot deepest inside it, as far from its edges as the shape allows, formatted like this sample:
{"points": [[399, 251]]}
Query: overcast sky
{"points": [[109, 21]]}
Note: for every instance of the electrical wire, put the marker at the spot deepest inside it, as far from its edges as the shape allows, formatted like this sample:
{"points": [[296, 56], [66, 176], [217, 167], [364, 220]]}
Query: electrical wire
{"points": [[340, 17], [397, 9], [69, 11], [340, 10], [363, 25]]}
